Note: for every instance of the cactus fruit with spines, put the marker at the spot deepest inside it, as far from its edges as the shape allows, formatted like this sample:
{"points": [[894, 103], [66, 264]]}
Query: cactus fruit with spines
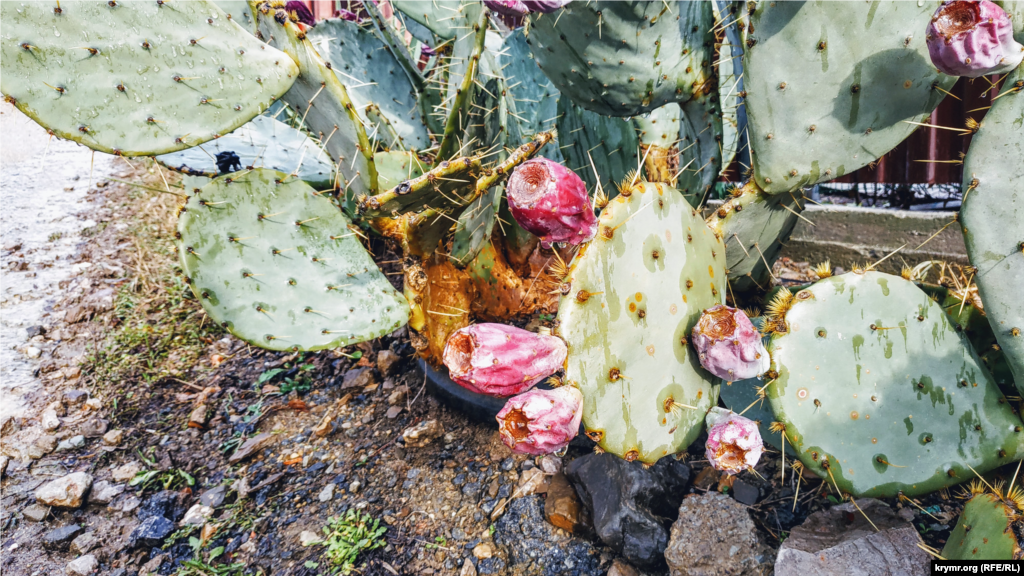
{"points": [[278, 265], [992, 218], [137, 78], [879, 394], [629, 301]]}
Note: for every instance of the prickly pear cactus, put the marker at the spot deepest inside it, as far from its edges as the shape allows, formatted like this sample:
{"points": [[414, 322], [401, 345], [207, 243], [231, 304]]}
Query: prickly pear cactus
{"points": [[136, 78], [450, 184], [659, 137], [880, 394], [629, 302], [753, 226], [393, 168], [625, 58], [612, 143], [992, 218], [281, 267], [985, 531], [438, 16], [372, 75], [536, 98], [700, 149], [262, 143], [831, 85]]}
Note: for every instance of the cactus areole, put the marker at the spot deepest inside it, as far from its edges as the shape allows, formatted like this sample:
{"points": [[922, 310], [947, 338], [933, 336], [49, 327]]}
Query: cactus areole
{"points": [[550, 201], [972, 39], [541, 421], [501, 360], [728, 345], [734, 442]]}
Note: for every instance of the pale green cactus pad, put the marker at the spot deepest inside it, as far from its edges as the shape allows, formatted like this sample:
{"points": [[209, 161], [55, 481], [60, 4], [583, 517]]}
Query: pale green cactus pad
{"points": [[874, 380], [393, 168], [281, 267], [240, 12], [372, 75], [984, 531], [753, 226], [629, 303], [831, 85], [992, 218], [625, 58], [441, 17], [136, 78], [262, 143]]}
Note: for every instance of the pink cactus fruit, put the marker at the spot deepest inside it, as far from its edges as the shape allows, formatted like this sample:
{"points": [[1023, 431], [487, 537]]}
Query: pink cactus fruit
{"points": [[507, 7], [550, 201], [728, 345], [541, 421], [545, 6], [500, 360], [734, 442], [300, 12], [967, 38]]}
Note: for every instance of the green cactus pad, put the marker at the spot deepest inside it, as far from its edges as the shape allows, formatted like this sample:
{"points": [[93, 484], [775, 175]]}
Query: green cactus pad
{"points": [[660, 127], [730, 79], [463, 67], [984, 531], [281, 267], [439, 16], [874, 379], [324, 105], [992, 218], [372, 75], [611, 142], [262, 143], [700, 149], [629, 303], [475, 226], [536, 98], [240, 12], [136, 78], [449, 184], [753, 226], [830, 86], [393, 168], [625, 58]]}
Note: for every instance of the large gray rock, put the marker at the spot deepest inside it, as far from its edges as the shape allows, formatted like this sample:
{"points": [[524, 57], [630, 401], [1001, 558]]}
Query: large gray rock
{"points": [[840, 541], [714, 536], [66, 492]]}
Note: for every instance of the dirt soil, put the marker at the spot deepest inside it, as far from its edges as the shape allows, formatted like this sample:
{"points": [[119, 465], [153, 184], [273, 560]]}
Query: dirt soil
{"points": [[190, 402]]}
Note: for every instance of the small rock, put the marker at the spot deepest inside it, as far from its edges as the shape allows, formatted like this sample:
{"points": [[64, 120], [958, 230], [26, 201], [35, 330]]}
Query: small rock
{"points": [[196, 515], [387, 362], [551, 464], [33, 331], [153, 565], [150, 532], [483, 550], [562, 506], [126, 472], [214, 497], [35, 512], [359, 378], [394, 411], [42, 446], [250, 447], [32, 352], [93, 404], [907, 513], [60, 538], [49, 420], [166, 503], [83, 566], [327, 493], [354, 486], [398, 396], [714, 535], [531, 481], [94, 428], [104, 492], [113, 437], [830, 541], [124, 504], [84, 543], [422, 434], [706, 478], [620, 568], [66, 492], [468, 568], [745, 493], [74, 398], [308, 538], [72, 443], [197, 419]]}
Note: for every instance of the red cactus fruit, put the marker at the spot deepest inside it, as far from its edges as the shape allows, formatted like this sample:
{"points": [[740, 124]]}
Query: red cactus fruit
{"points": [[541, 421], [728, 345], [545, 6], [734, 442], [500, 360], [507, 7], [300, 12], [967, 38], [550, 201]]}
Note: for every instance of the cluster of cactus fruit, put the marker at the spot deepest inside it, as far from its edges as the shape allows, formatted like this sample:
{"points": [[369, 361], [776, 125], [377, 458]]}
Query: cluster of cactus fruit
{"points": [[552, 156]]}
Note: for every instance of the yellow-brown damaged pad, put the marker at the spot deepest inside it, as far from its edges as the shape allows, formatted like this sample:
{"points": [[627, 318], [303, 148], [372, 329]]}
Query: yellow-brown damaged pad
{"points": [[635, 293]]}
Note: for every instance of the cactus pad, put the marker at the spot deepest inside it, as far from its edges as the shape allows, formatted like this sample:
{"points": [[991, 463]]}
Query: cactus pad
{"points": [[629, 303], [826, 96], [262, 143], [880, 394], [372, 75], [993, 218], [611, 142], [393, 168], [281, 267], [137, 78], [625, 58], [438, 16], [984, 531]]}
